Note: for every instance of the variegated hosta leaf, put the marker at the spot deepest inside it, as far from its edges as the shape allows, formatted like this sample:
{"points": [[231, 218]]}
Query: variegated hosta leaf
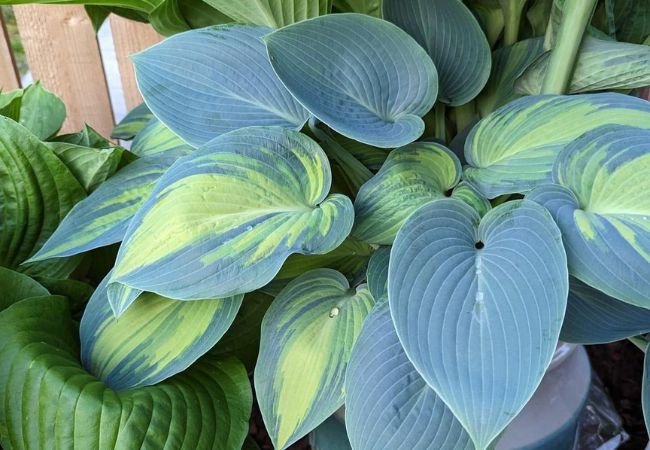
{"points": [[388, 406], [151, 341], [90, 166], [508, 64], [602, 206], [462, 58], [272, 13], [17, 286], [596, 318], [364, 77], [349, 258], [133, 123], [103, 217], [470, 195], [645, 389], [513, 149], [411, 176], [482, 299], [216, 80], [47, 400], [370, 7], [156, 140], [307, 336], [223, 220], [601, 66], [36, 191], [377, 274], [330, 435]]}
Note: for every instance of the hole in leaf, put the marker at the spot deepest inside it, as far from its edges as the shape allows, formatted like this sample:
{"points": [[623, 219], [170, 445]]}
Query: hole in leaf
{"points": [[479, 245]]}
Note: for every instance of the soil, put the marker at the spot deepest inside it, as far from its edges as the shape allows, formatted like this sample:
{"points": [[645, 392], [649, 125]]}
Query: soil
{"points": [[619, 366]]}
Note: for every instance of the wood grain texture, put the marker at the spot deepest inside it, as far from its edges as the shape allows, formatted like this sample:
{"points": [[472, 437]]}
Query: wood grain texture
{"points": [[131, 37], [8, 74], [62, 51]]}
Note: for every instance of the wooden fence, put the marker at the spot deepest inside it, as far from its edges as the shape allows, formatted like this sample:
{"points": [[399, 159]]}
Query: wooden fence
{"points": [[62, 51]]}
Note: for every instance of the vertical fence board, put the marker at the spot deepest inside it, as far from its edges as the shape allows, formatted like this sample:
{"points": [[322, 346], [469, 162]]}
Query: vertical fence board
{"points": [[130, 37], [62, 51], [8, 74]]}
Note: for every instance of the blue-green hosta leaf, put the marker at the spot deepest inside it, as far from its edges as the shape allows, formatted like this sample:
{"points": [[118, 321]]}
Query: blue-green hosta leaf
{"points": [[307, 337], [602, 206], [134, 121], [156, 140], [48, 401], [513, 149], [36, 191], [272, 13], [37, 109], [483, 299], [16, 286], [349, 258], [370, 7], [377, 274], [362, 76], [470, 195], [90, 166], [103, 218], [601, 66], [411, 176], [330, 435], [230, 214], [215, 80], [453, 39], [596, 318], [508, 64], [388, 406], [153, 340]]}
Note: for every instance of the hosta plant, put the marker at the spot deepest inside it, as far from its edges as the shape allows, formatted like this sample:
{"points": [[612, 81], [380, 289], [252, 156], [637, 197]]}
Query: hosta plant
{"points": [[401, 207]]}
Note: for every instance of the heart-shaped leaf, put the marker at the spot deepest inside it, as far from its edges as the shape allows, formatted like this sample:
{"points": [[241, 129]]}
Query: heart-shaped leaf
{"points": [[388, 406], [307, 336], [453, 39], [482, 299], [153, 340], [410, 177], [596, 318], [362, 76], [230, 214], [513, 149], [36, 192], [602, 206], [601, 66], [272, 13], [47, 400], [103, 217], [216, 80]]}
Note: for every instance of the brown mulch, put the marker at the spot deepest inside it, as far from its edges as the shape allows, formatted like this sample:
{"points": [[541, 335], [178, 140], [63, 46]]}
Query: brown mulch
{"points": [[619, 366]]}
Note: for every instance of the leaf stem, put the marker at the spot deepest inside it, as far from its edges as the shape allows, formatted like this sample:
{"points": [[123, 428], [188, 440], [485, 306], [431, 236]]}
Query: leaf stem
{"points": [[512, 10], [575, 18], [464, 115]]}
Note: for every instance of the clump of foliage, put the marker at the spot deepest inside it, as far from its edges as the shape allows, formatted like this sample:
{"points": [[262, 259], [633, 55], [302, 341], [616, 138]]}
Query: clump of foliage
{"points": [[400, 206]]}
